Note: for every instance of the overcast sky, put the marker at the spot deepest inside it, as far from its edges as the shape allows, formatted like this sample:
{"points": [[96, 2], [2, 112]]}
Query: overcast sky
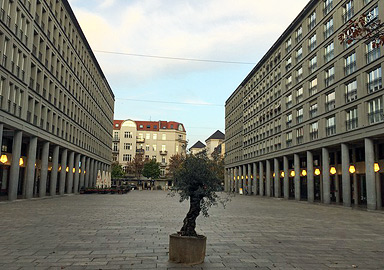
{"points": [[222, 30]]}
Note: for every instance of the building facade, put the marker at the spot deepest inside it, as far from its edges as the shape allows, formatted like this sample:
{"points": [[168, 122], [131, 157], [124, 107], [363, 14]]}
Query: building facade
{"points": [[307, 122], [158, 140], [215, 143], [56, 107], [197, 148]]}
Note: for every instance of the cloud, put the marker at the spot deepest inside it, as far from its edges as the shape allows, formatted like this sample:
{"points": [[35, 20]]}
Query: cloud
{"points": [[107, 3], [214, 29]]}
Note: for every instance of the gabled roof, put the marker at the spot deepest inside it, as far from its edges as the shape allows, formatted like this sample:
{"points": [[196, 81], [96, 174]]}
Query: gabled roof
{"points": [[199, 144], [218, 135]]}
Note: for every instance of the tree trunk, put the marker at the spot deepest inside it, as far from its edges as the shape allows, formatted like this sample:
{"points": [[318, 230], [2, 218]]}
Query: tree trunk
{"points": [[189, 223]]}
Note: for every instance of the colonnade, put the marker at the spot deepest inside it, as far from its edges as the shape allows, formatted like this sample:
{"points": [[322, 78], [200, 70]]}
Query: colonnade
{"points": [[321, 175], [38, 168]]}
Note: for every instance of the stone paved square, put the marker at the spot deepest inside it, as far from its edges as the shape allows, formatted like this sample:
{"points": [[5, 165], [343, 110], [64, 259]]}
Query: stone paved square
{"points": [[131, 232]]}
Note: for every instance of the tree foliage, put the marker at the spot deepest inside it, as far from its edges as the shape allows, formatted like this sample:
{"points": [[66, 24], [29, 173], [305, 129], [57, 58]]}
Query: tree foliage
{"points": [[117, 170], [175, 162], [197, 180], [366, 27], [151, 169]]}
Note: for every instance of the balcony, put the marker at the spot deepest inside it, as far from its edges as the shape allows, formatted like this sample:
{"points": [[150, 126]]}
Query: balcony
{"points": [[140, 140], [140, 151], [163, 152], [163, 164], [116, 139]]}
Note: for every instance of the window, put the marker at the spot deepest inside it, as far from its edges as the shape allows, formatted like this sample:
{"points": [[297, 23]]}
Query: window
{"points": [[147, 136], [375, 111], [115, 147], [163, 148], [154, 147], [127, 146], [289, 120], [163, 137], [141, 126], [351, 122], [330, 101], [299, 54], [127, 157], [348, 11], [155, 136], [329, 76], [115, 134], [328, 28], [288, 45], [330, 128], [299, 34], [288, 101], [127, 134], [350, 64], [313, 86], [288, 82], [373, 53], [288, 63], [374, 80], [372, 15], [312, 43], [314, 131], [147, 147], [351, 91], [313, 109], [299, 95], [299, 74], [299, 135], [312, 21], [299, 115], [312, 64], [329, 52], [289, 139], [328, 5]]}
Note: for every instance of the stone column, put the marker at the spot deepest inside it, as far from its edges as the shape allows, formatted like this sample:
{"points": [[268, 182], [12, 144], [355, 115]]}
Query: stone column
{"points": [[326, 178], [296, 162], [276, 167], [30, 173], [337, 186], [77, 174], [236, 182], [44, 170], [286, 178], [63, 172], [15, 167], [378, 181], [310, 178], [355, 183], [254, 178], [70, 172], [1, 136], [345, 176], [244, 178], [370, 174], [268, 178], [241, 178], [261, 178], [91, 173], [87, 173], [83, 169], [55, 168], [249, 180]]}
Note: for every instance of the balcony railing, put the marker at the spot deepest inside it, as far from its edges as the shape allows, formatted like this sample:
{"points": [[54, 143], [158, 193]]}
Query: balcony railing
{"points": [[329, 80], [328, 32], [314, 135], [140, 140], [373, 55], [313, 113], [116, 139], [330, 130], [289, 143], [330, 105], [300, 140], [329, 56], [351, 95], [299, 119], [163, 152], [351, 123], [140, 151], [350, 68], [374, 85], [376, 116]]}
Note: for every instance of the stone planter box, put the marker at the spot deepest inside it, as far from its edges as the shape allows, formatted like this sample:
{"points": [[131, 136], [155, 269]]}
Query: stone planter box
{"points": [[187, 249]]}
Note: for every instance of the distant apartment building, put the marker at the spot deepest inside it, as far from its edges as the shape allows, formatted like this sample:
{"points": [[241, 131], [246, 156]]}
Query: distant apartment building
{"points": [[56, 106], [158, 140], [307, 122], [214, 144]]}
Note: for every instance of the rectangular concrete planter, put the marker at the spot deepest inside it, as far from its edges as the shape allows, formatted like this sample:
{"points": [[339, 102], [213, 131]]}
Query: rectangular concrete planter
{"points": [[187, 249]]}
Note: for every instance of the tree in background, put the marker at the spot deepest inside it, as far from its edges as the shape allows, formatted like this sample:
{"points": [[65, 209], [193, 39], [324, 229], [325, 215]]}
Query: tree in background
{"points": [[117, 170], [175, 162], [366, 27], [151, 169], [136, 166]]}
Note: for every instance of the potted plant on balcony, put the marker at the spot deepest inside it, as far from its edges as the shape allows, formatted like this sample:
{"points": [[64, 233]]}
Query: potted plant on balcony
{"points": [[195, 179]]}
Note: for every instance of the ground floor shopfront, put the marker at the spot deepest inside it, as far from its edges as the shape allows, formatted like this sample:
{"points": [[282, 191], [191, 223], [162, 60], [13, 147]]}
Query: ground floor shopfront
{"points": [[33, 166], [350, 173]]}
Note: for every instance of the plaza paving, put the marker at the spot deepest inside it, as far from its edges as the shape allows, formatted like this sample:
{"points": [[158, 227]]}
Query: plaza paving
{"points": [[131, 232]]}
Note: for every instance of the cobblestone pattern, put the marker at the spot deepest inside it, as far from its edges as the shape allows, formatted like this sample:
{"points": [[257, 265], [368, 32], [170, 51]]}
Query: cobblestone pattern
{"points": [[131, 232]]}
